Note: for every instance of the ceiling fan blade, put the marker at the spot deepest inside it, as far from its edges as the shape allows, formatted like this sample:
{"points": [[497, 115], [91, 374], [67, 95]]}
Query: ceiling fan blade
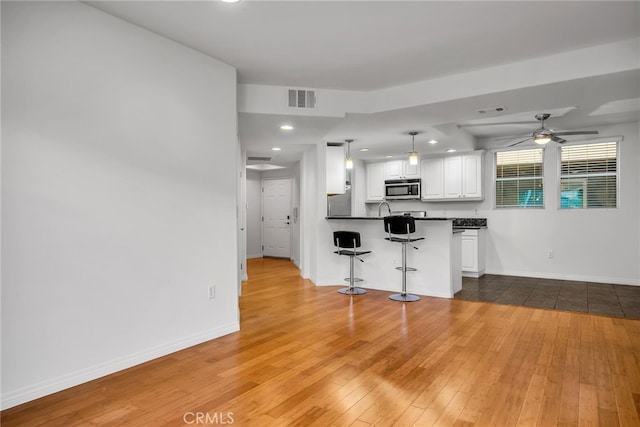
{"points": [[577, 132], [558, 140], [519, 142]]}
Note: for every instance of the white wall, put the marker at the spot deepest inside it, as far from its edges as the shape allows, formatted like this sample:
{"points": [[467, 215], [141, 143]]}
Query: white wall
{"points": [[600, 245], [254, 212], [118, 206], [309, 210]]}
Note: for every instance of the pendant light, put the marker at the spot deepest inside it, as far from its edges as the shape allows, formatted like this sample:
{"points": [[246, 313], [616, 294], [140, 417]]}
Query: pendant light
{"points": [[349, 160], [413, 155]]}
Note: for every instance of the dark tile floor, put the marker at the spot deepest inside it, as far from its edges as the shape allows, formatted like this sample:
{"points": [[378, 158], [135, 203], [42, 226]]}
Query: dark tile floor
{"points": [[585, 297]]}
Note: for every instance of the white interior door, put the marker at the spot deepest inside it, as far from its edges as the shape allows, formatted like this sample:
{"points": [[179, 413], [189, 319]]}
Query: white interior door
{"points": [[276, 209]]}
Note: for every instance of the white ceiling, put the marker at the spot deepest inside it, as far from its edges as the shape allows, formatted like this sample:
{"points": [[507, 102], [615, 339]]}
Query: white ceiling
{"points": [[369, 45]]}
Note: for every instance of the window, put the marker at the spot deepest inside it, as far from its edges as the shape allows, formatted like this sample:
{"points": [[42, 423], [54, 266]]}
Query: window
{"points": [[519, 179], [589, 176]]}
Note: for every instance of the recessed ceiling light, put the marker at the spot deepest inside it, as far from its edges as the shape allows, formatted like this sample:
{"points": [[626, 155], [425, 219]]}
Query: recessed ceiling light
{"points": [[230, 1], [451, 150], [364, 149], [286, 127], [388, 157], [276, 149], [432, 141]]}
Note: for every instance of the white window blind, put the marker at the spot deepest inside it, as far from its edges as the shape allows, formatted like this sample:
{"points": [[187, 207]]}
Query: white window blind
{"points": [[519, 179], [589, 176]]}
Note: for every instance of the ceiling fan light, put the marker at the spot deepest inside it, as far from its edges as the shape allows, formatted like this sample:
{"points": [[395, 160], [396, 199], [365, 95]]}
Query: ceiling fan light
{"points": [[542, 139]]}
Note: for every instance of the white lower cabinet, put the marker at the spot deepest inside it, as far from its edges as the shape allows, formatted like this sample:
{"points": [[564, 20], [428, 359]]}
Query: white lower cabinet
{"points": [[473, 253]]}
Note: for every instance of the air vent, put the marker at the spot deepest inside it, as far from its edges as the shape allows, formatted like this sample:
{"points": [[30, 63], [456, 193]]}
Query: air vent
{"points": [[335, 144], [302, 98], [259, 159], [491, 110]]}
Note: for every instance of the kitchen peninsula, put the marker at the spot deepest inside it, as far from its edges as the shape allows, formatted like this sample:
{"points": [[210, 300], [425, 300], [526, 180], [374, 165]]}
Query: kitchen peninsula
{"points": [[437, 259]]}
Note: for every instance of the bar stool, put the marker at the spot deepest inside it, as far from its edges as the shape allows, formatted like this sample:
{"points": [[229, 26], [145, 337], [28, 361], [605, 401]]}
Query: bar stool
{"points": [[402, 225], [347, 242]]}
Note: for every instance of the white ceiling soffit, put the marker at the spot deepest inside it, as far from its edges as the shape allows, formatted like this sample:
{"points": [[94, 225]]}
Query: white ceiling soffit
{"points": [[618, 107], [525, 117], [259, 133]]}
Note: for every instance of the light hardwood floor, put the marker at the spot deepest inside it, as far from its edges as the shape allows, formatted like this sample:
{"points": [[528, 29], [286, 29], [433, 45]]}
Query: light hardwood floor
{"points": [[309, 356]]}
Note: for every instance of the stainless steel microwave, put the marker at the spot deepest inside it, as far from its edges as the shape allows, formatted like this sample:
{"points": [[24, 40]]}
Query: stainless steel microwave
{"points": [[402, 189]]}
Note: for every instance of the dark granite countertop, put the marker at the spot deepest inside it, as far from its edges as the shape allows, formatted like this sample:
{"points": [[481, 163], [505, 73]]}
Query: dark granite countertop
{"points": [[470, 223], [380, 217], [458, 223]]}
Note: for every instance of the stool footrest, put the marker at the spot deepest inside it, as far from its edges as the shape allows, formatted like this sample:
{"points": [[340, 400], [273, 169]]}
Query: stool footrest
{"points": [[352, 291], [355, 279], [404, 297], [406, 269]]}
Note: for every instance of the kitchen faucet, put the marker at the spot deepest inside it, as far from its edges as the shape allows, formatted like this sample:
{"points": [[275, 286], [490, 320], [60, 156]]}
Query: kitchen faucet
{"points": [[380, 208]]}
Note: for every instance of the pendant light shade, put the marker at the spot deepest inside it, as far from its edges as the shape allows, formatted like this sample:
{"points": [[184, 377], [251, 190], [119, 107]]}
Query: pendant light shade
{"points": [[413, 154], [413, 158], [349, 161]]}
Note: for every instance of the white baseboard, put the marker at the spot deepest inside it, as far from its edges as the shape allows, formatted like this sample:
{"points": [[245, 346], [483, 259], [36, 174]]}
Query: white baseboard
{"points": [[573, 277], [35, 391], [251, 256], [474, 274]]}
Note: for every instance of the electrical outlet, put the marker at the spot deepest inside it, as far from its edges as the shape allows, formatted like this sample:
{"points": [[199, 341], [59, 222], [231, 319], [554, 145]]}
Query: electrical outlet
{"points": [[550, 254], [212, 291]]}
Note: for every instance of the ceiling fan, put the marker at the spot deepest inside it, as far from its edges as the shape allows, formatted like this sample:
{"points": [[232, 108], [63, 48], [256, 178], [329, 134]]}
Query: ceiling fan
{"points": [[543, 135]]}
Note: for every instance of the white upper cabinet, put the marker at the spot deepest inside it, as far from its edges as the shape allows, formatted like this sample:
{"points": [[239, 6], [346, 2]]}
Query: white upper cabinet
{"points": [[375, 182], [432, 178], [411, 171], [401, 169], [393, 169], [472, 176], [336, 170], [452, 178]]}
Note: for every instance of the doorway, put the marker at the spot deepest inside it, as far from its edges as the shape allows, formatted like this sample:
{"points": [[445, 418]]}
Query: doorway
{"points": [[276, 218]]}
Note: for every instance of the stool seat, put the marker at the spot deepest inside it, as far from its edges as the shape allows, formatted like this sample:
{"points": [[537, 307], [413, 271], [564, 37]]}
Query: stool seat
{"points": [[403, 239], [347, 243], [351, 253], [400, 228]]}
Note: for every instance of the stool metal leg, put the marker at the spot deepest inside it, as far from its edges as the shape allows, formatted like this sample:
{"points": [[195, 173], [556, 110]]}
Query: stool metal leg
{"points": [[404, 296], [352, 289]]}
